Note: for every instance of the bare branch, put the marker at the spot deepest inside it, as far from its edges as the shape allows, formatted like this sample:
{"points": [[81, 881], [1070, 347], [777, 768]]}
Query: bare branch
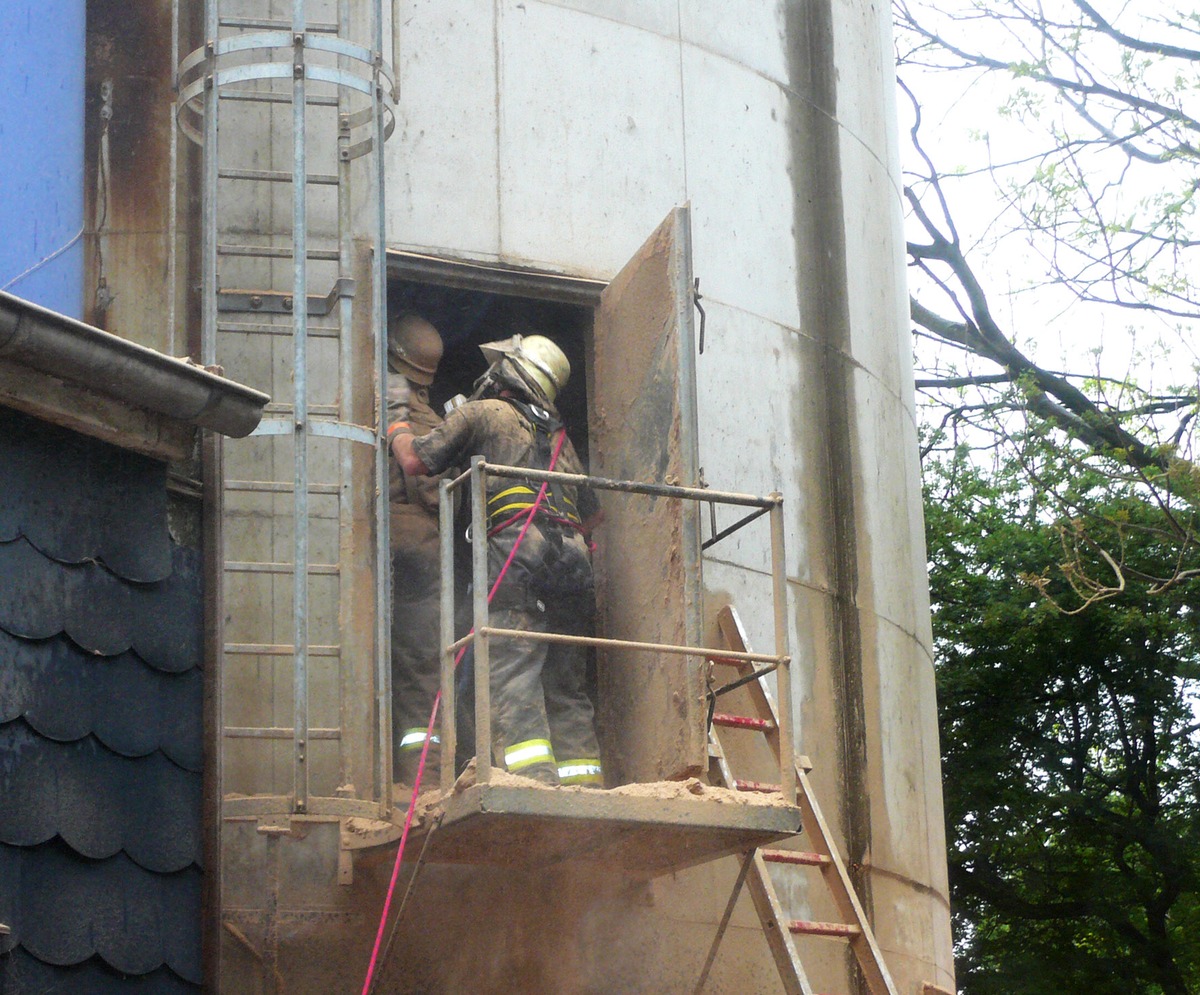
{"points": [[1155, 48]]}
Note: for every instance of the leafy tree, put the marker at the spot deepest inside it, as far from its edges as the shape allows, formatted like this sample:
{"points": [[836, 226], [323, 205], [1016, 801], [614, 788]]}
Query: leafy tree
{"points": [[1062, 502], [1070, 738]]}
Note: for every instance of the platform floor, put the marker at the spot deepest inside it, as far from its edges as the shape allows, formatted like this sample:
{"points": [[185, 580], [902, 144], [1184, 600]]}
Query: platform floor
{"points": [[645, 833]]}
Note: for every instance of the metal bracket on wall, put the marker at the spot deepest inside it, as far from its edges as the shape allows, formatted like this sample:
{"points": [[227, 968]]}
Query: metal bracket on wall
{"points": [[278, 302]]}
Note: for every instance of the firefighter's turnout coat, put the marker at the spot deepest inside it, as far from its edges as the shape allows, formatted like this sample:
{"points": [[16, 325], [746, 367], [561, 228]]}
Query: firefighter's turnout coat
{"points": [[542, 714]]}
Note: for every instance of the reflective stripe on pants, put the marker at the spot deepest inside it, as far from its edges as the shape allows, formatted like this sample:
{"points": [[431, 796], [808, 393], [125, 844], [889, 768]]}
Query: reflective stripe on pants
{"points": [[414, 739], [533, 751], [585, 771]]}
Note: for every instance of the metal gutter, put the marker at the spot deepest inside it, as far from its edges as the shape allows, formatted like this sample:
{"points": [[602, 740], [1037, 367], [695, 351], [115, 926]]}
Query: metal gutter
{"points": [[113, 367]]}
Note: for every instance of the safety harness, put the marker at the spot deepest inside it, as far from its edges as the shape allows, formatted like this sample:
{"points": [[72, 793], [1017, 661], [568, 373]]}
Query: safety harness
{"points": [[512, 504]]}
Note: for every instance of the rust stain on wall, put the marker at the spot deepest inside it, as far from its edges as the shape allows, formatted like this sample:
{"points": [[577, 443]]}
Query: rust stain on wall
{"points": [[824, 309], [127, 135]]}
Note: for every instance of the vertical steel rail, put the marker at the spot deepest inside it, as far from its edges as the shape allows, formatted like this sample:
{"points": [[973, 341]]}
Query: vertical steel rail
{"points": [[300, 406], [345, 390], [479, 582], [383, 559], [449, 704], [783, 675], [208, 274], [173, 194]]}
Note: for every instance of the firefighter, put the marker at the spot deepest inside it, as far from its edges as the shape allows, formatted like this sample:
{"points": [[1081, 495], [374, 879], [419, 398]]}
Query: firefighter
{"points": [[414, 351], [541, 712]]}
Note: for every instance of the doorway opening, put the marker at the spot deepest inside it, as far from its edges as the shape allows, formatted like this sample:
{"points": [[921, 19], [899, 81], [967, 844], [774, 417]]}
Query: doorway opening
{"points": [[630, 411], [467, 317], [471, 305]]}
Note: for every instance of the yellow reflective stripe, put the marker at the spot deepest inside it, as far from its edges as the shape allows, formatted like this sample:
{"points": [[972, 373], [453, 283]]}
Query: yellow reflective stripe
{"points": [[532, 751], [413, 738], [497, 512], [585, 771], [520, 489]]}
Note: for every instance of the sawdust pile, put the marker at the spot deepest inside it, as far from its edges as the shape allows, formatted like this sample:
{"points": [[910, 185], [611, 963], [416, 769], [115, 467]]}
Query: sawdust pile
{"points": [[428, 803]]}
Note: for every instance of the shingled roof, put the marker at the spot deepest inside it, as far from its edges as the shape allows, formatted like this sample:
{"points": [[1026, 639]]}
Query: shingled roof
{"points": [[100, 721]]}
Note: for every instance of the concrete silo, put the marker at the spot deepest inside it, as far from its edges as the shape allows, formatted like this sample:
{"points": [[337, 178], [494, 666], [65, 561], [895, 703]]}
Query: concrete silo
{"points": [[553, 137]]}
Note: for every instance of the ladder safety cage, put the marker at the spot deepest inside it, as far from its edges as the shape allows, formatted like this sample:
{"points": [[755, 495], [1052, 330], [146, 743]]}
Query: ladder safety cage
{"points": [[482, 632], [288, 113]]}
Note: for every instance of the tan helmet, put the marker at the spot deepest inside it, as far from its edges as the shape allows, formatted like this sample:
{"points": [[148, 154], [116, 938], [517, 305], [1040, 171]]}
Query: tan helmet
{"points": [[414, 348], [537, 359]]}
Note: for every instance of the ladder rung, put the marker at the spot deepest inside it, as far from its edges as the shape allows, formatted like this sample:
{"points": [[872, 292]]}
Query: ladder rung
{"points": [[277, 649], [283, 408], [244, 567], [261, 24], [278, 732], [760, 786], [742, 722], [805, 927], [286, 328], [278, 487], [271, 97], [275, 252], [277, 176], [805, 857], [728, 661]]}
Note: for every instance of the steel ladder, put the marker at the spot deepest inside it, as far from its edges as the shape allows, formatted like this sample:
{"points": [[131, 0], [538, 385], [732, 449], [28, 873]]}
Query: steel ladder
{"points": [[291, 114]]}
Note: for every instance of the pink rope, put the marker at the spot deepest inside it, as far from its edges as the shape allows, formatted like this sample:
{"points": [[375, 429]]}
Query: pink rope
{"points": [[437, 700]]}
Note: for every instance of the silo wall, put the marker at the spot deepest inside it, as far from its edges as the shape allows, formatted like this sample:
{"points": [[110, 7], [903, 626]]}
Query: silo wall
{"points": [[554, 135]]}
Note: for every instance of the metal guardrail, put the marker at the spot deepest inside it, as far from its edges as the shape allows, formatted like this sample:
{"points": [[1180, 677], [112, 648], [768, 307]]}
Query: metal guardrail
{"points": [[482, 632]]}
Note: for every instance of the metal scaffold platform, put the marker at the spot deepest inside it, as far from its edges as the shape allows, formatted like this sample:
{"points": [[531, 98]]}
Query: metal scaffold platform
{"points": [[643, 828], [657, 830]]}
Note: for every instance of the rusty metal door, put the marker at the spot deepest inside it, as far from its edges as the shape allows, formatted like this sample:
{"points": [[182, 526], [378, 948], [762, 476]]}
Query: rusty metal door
{"points": [[642, 394]]}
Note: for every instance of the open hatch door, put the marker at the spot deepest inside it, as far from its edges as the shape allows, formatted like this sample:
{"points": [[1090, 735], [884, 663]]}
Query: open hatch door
{"points": [[642, 393]]}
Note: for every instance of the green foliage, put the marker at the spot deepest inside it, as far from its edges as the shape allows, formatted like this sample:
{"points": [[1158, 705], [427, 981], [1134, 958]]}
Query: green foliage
{"points": [[1070, 745]]}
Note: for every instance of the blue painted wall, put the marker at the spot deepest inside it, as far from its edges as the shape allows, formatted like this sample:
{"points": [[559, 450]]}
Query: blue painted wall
{"points": [[42, 55]]}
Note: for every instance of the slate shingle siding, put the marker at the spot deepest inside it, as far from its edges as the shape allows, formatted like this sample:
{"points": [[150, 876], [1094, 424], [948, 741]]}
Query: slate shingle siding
{"points": [[100, 722]]}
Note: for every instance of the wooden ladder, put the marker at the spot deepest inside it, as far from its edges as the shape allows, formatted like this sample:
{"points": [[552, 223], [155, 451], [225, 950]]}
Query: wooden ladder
{"points": [[820, 853]]}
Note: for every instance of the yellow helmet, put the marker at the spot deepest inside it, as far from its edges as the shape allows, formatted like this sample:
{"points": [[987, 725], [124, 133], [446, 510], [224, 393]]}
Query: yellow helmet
{"points": [[539, 363], [414, 348]]}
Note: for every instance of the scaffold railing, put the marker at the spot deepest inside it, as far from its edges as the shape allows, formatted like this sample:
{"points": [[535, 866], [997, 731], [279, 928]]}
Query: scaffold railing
{"points": [[482, 632]]}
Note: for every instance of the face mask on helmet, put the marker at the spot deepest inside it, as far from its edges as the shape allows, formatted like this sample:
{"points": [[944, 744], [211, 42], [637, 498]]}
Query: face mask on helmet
{"points": [[532, 365], [496, 379]]}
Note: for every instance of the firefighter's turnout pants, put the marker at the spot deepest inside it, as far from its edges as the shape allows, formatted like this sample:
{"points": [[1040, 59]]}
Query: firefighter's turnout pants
{"points": [[416, 636], [541, 713]]}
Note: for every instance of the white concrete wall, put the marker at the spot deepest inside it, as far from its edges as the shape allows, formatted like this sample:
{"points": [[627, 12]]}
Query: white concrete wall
{"points": [[556, 134]]}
